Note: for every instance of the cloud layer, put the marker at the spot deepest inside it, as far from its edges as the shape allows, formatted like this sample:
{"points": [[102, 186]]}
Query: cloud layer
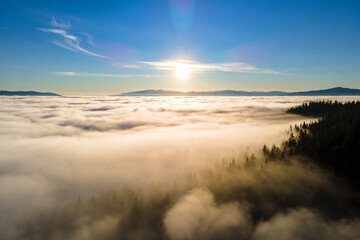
{"points": [[53, 149], [197, 216], [306, 224]]}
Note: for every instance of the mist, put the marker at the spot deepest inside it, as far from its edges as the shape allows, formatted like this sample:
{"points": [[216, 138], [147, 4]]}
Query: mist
{"points": [[166, 158]]}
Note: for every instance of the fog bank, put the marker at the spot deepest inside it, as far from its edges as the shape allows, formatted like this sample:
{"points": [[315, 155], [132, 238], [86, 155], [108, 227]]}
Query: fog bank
{"points": [[54, 149]]}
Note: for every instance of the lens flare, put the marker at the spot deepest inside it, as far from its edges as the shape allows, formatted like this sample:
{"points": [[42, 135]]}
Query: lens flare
{"points": [[182, 14]]}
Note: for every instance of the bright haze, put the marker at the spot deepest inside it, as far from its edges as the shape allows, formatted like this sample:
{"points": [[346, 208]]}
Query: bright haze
{"points": [[110, 47]]}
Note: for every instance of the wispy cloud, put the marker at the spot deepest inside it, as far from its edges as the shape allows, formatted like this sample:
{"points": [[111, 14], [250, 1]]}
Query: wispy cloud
{"points": [[60, 24], [61, 32], [204, 67], [70, 42], [89, 38], [78, 74], [122, 65]]}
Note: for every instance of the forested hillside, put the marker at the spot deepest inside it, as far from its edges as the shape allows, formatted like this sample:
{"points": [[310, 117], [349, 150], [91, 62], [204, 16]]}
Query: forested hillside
{"points": [[333, 141]]}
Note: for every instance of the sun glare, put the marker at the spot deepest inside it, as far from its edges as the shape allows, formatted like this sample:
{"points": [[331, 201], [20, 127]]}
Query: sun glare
{"points": [[182, 72]]}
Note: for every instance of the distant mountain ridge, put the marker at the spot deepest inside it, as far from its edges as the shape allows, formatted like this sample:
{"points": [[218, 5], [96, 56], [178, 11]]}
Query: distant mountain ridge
{"points": [[337, 91], [26, 93]]}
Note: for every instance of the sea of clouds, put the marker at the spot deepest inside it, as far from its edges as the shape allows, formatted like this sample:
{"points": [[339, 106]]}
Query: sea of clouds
{"points": [[55, 149]]}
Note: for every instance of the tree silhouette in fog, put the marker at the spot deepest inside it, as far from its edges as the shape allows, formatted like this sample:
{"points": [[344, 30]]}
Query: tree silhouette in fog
{"points": [[332, 141]]}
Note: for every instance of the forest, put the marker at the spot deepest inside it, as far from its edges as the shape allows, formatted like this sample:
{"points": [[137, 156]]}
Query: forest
{"points": [[333, 141]]}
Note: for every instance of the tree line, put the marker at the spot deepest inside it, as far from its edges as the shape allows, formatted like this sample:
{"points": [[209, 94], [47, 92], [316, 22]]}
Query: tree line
{"points": [[332, 141]]}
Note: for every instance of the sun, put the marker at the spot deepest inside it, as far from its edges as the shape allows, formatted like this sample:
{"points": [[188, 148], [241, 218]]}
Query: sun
{"points": [[182, 72]]}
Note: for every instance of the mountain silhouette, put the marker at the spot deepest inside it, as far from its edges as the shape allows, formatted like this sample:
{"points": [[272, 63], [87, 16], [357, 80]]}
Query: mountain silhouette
{"points": [[26, 93], [337, 91]]}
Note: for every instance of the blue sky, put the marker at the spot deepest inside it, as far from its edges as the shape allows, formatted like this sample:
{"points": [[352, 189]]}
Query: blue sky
{"points": [[104, 47]]}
